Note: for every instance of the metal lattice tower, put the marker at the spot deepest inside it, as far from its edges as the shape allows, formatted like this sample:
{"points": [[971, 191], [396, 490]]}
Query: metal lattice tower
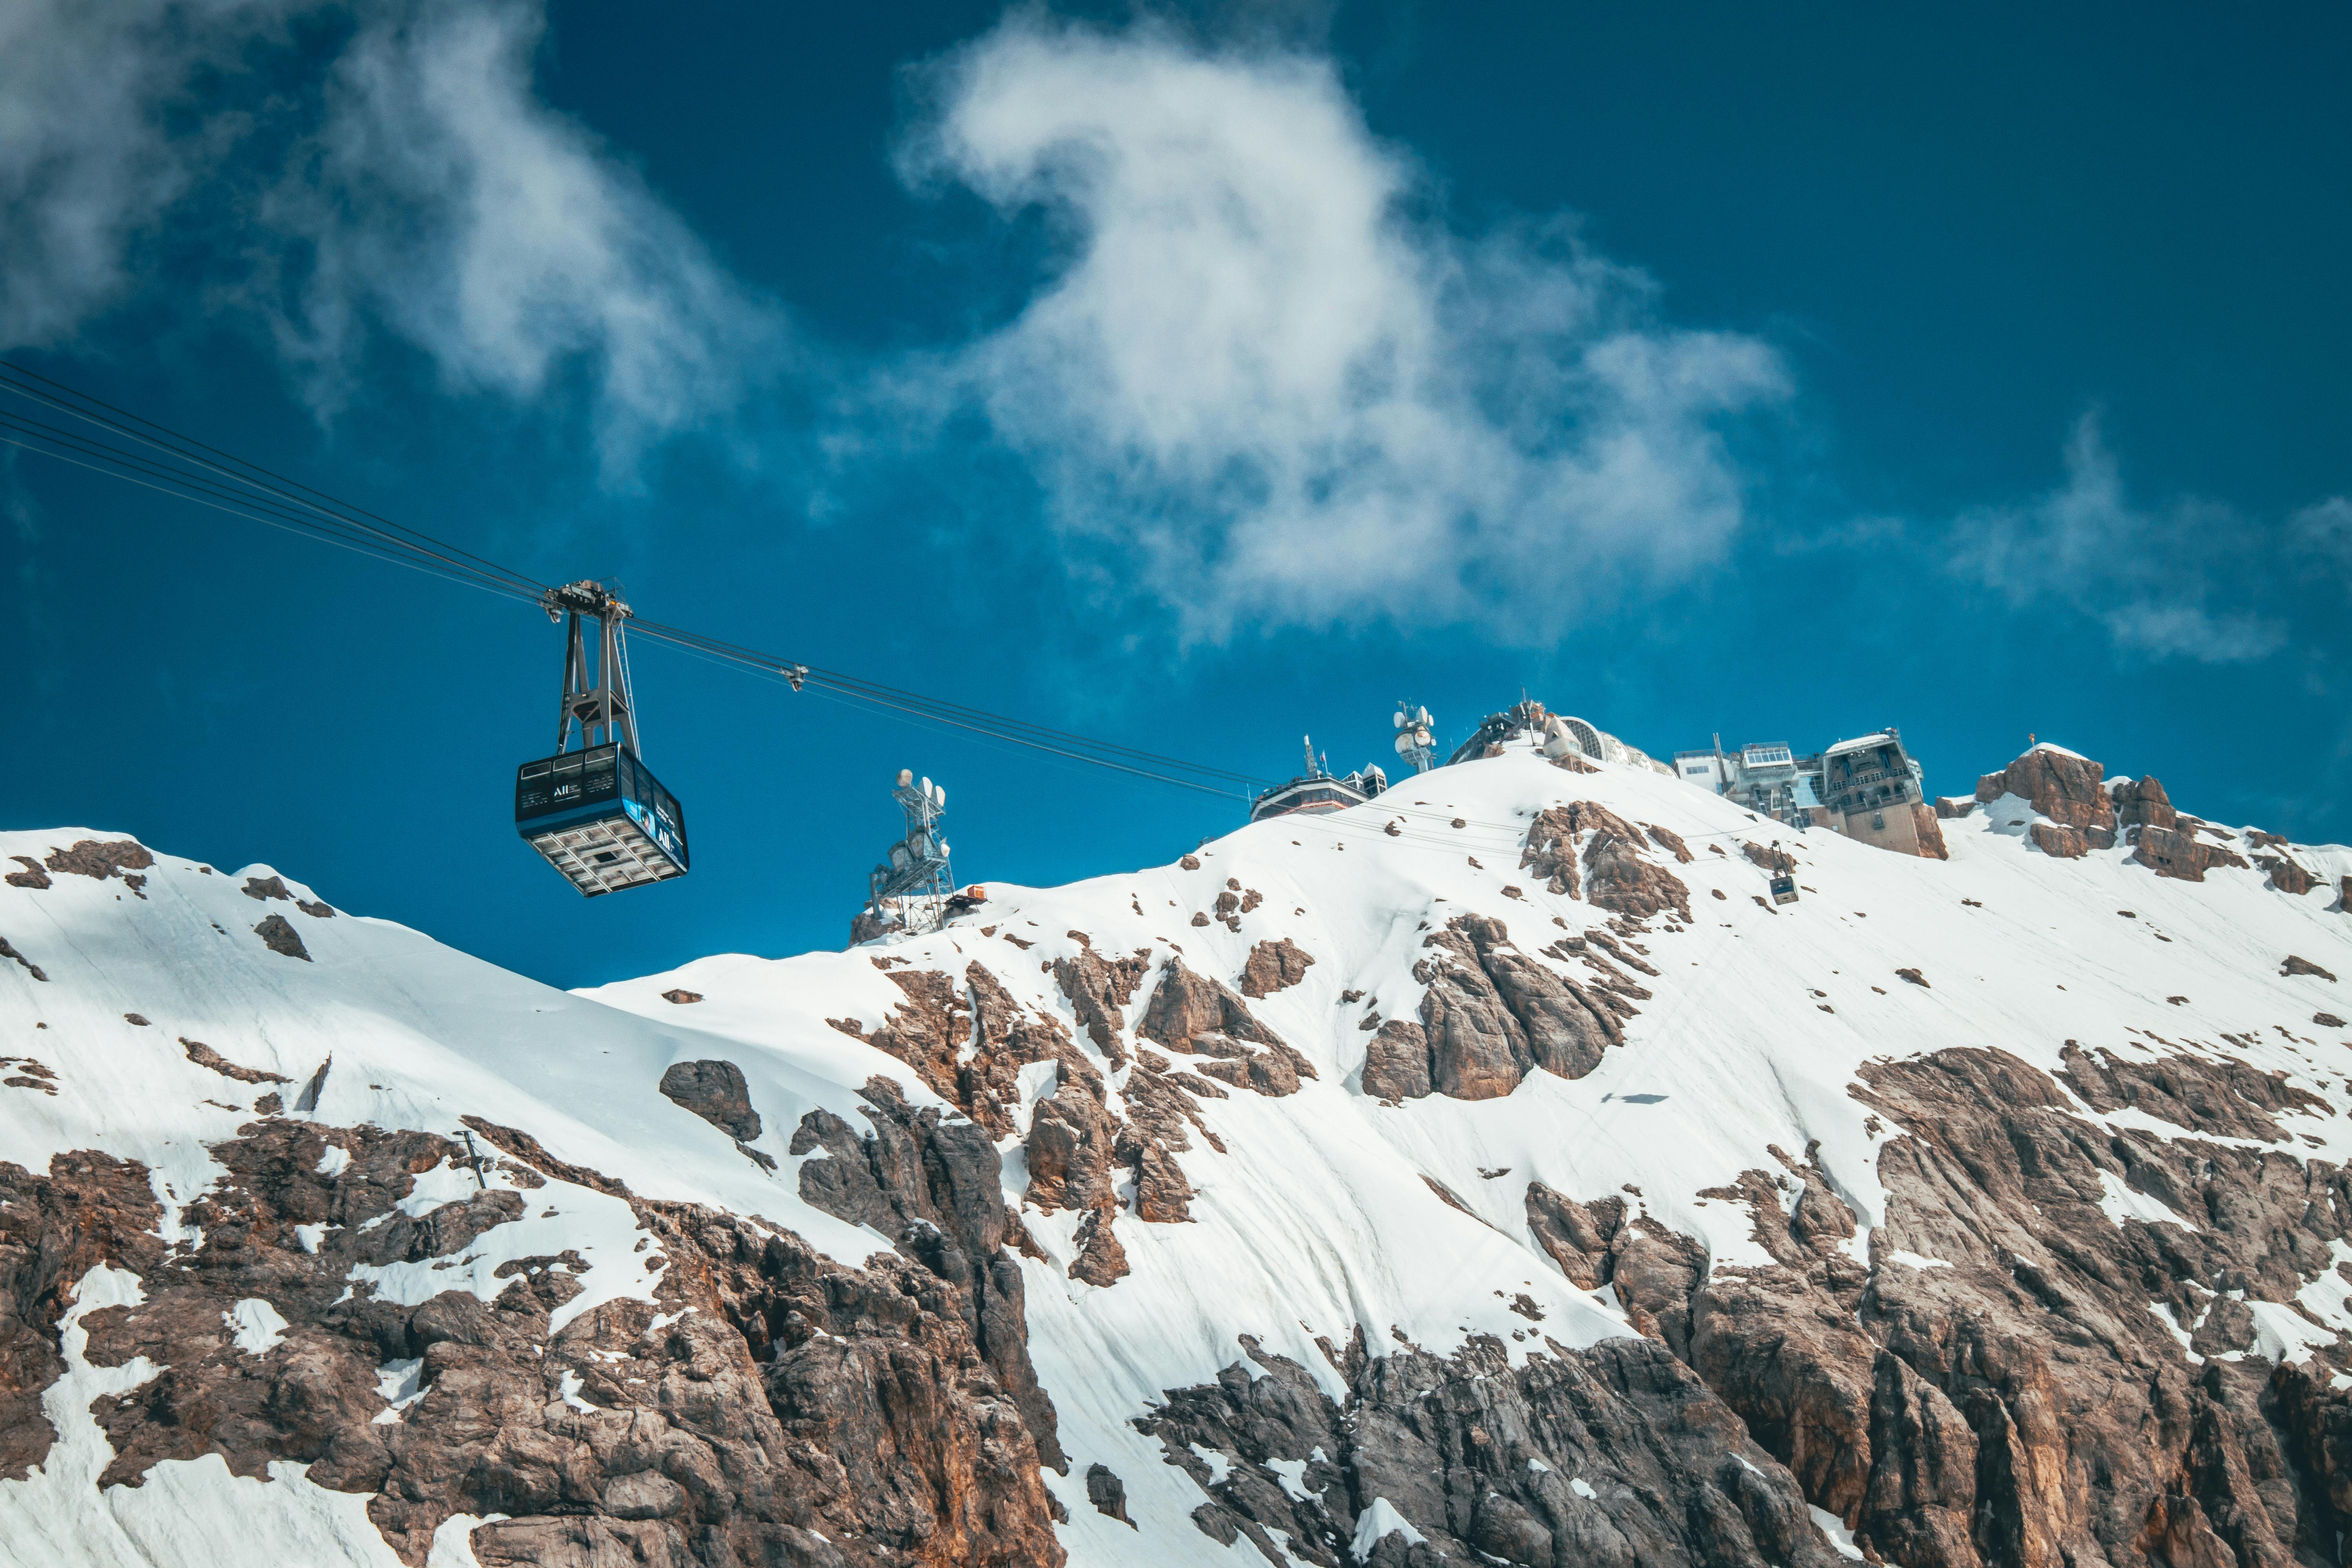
{"points": [[915, 875], [596, 702]]}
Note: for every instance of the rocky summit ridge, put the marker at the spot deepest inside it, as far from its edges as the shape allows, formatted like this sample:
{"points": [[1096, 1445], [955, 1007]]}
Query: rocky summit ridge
{"points": [[1490, 1173]]}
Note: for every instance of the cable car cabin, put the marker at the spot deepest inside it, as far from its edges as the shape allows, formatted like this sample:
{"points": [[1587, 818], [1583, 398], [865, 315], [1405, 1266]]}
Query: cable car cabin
{"points": [[1784, 889], [600, 817], [1316, 792]]}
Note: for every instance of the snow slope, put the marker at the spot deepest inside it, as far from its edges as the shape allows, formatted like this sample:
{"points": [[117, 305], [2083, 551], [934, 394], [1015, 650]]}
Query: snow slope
{"points": [[1317, 1220]]}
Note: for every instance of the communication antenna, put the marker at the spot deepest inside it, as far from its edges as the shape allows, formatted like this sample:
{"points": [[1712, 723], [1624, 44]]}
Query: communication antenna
{"points": [[1414, 741], [906, 895]]}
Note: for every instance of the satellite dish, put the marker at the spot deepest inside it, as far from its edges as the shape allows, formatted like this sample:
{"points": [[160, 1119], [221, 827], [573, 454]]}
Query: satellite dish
{"points": [[927, 786], [905, 777], [1400, 717], [939, 796]]}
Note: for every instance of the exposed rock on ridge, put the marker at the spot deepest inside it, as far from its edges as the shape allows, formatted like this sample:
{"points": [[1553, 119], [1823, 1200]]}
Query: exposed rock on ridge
{"points": [[1616, 1455], [782, 1410], [2021, 1399], [1490, 1015]]}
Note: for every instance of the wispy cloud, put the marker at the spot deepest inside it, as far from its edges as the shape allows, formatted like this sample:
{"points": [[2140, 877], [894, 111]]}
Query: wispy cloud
{"points": [[2147, 576], [417, 188], [1259, 389], [440, 198], [2325, 531], [87, 165]]}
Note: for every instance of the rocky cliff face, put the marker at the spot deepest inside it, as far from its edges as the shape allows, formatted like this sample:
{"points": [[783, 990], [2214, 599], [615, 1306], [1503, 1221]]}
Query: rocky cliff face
{"points": [[764, 1405], [1502, 1177]]}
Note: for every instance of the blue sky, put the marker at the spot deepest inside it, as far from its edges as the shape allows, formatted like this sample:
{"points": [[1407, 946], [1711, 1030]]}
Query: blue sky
{"points": [[1194, 378]]}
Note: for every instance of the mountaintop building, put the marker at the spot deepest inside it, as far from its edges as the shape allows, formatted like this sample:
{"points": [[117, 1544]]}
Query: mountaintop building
{"points": [[1867, 788], [1767, 778]]}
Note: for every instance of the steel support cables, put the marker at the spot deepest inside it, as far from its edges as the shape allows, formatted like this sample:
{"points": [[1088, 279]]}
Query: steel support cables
{"points": [[89, 433]]}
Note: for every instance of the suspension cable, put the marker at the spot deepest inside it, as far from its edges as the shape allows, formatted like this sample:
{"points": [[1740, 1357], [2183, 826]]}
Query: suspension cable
{"points": [[155, 457]]}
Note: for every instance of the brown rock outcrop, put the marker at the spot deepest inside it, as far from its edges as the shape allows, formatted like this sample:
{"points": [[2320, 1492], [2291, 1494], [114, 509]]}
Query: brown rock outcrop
{"points": [[1669, 842], [714, 1091], [1613, 1456], [204, 1055], [2168, 852], [2066, 789], [1396, 1061], [2142, 802], [1101, 1260], [1616, 873], [935, 1186], [930, 1030], [1198, 1015], [1186, 1008], [2013, 1401], [1774, 859], [1490, 1014], [1100, 989], [1565, 1027], [1577, 1236], [2286, 875], [88, 1209], [2219, 1097], [1274, 966], [789, 1410], [1617, 877], [2295, 964], [1477, 1050], [1069, 1150], [280, 936], [100, 858], [2059, 843], [32, 876], [1550, 849], [1930, 832]]}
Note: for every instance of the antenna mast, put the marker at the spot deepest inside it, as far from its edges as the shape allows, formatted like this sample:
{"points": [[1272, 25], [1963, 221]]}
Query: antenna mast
{"points": [[1413, 743], [915, 875]]}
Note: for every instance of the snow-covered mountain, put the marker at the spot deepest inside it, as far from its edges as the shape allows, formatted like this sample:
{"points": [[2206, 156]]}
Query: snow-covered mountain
{"points": [[1492, 1172]]}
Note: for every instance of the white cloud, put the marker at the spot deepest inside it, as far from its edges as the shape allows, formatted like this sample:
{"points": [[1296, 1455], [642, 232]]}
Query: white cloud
{"points": [[417, 184], [1259, 389], [86, 165], [2145, 577], [442, 198], [2326, 529]]}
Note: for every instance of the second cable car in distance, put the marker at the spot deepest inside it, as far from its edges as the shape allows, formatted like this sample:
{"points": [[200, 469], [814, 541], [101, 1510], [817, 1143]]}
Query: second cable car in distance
{"points": [[595, 811]]}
